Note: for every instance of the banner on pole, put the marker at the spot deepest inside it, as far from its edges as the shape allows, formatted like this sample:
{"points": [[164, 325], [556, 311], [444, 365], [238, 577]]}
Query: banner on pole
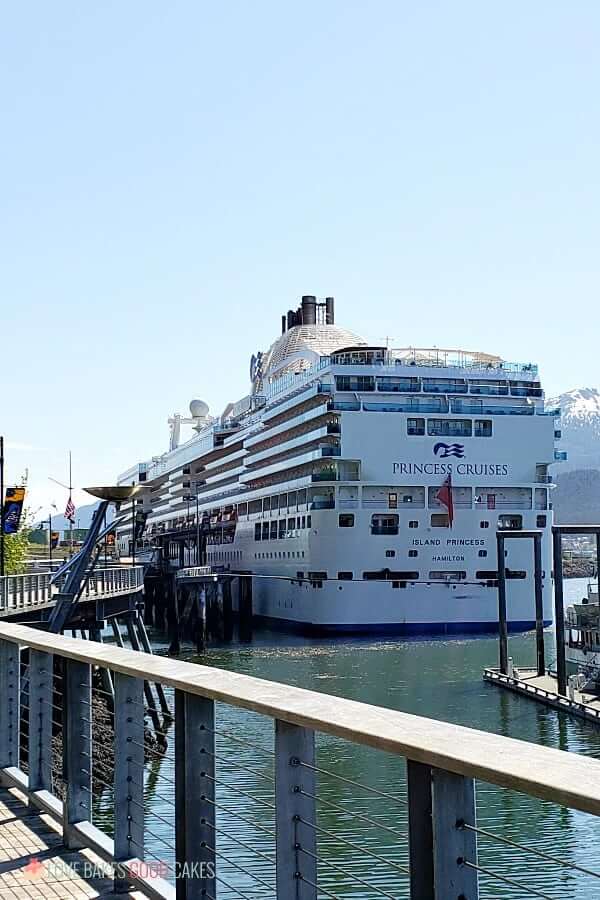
{"points": [[54, 539], [13, 509]]}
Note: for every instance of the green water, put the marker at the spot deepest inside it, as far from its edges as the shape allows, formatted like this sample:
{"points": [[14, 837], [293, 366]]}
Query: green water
{"points": [[439, 678]]}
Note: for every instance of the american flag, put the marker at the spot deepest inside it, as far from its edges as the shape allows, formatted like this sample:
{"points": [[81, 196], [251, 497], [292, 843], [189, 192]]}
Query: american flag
{"points": [[70, 511]]}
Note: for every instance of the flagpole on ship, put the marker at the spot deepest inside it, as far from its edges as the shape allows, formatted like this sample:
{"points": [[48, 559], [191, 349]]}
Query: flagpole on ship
{"points": [[70, 501]]}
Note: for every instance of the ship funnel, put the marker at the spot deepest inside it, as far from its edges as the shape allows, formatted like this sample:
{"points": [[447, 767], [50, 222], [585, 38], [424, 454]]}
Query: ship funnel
{"points": [[309, 310], [329, 311]]}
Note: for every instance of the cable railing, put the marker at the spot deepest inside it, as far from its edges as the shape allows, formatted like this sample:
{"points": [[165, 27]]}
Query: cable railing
{"points": [[239, 792]]}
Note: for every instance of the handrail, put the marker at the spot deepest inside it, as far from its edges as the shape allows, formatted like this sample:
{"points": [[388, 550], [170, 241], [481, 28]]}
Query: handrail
{"points": [[19, 592], [566, 778]]}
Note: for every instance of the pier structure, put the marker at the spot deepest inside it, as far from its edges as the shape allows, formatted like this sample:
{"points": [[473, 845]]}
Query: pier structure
{"points": [[540, 683], [431, 847]]}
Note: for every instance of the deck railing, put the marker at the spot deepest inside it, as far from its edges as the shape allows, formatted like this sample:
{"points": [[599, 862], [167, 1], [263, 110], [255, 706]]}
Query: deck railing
{"points": [[278, 833]]}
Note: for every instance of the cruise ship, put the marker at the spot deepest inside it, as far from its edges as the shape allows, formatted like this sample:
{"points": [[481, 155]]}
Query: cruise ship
{"points": [[370, 480]]}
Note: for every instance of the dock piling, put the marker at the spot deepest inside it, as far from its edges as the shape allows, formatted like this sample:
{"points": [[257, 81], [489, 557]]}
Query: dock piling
{"points": [[502, 624], [539, 604], [245, 608], [559, 614]]}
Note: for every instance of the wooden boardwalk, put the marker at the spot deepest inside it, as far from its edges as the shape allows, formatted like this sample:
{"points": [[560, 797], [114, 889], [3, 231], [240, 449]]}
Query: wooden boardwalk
{"points": [[34, 864]]}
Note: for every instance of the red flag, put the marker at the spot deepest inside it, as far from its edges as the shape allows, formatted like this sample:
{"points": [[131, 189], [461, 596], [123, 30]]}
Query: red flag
{"points": [[444, 495]]}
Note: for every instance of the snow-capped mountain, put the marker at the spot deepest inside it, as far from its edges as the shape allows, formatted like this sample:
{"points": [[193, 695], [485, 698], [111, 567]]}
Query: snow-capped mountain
{"points": [[580, 424]]}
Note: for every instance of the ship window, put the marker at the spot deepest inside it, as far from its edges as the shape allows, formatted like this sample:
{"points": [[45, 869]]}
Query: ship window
{"points": [[487, 575], [516, 573], [257, 531], [281, 529], [540, 522], [483, 553], [390, 575], [484, 524], [301, 496], [345, 576], [303, 522], [265, 531], [384, 524], [415, 426], [273, 531], [299, 575], [390, 553], [447, 575], [449, 427], [317, 578], [354, 383], [242, 509], [440, 520], [308, 521], [393, 501], [510, 523], [292, 498], [483, 427], [413, 553], [291, 526], [266, 504], [346, 520], [413, 523], [255, 506]]}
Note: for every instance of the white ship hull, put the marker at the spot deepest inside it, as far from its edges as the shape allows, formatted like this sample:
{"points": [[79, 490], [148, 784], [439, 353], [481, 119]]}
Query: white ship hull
{"points": [[356, 608]]}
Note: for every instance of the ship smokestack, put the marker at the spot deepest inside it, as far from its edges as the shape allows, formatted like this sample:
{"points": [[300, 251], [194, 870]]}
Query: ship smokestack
{"points": [[329, 311], [283, 325], [309, 310], [291, 318]]}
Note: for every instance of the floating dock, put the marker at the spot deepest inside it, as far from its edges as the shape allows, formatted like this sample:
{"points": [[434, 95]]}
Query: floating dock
{"points": [[544, 689]]}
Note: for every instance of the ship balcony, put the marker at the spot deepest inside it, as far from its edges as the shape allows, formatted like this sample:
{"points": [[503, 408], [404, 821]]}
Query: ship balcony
{"points": [[322, 503], [491, 390], [526, 392], [486, 409], [561, 455], [554, 411], [411, 407], [345, 471], [349, 405]]}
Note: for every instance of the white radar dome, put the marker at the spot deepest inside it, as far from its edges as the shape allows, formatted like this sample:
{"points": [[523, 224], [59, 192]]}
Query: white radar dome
{"points": [[198, 409]]}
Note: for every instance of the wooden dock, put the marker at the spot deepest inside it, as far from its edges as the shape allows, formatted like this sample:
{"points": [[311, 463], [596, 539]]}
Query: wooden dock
{"points": [[34, 863], [544, 689]]}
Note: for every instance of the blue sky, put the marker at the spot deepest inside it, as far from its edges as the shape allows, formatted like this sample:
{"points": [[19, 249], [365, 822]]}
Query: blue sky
{"points": [[174, 176]]}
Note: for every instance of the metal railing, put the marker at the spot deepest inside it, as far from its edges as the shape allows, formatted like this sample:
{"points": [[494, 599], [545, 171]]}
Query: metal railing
{"points": [[252, 802], [23, 591]]}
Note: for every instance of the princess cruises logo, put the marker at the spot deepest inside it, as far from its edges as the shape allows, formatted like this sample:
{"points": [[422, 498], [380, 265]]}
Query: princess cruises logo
{"points": [[444, 450]]}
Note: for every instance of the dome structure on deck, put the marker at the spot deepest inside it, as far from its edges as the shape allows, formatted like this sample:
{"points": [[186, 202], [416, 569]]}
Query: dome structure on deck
{"points": [[300, 347]]}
